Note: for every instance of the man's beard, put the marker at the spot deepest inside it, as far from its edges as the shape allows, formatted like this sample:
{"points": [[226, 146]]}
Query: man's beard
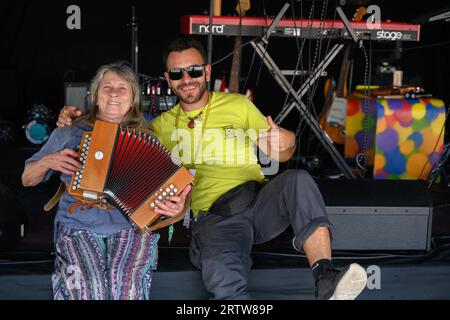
{"points": [[190, 97]]}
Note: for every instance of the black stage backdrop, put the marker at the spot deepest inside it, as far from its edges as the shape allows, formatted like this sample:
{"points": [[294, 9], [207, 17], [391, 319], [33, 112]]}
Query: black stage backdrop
{"points": [[38, 53]]}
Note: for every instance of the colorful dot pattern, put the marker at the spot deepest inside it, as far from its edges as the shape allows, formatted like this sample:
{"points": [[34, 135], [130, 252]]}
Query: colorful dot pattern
{"points": [[403, 139]]}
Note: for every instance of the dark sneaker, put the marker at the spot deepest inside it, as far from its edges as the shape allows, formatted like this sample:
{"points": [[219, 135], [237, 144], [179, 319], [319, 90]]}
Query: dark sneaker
{"points": [[346, 284]]}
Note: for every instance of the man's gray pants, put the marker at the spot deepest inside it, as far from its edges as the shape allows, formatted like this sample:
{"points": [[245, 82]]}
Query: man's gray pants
{"points": [[221, 246]]}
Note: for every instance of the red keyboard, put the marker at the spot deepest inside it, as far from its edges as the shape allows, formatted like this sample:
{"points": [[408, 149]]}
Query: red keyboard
{"points": [[313, 29]]}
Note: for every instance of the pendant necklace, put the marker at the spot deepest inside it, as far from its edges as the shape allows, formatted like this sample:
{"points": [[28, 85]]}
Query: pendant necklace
{"points": [[191, 123], [207, 107]]}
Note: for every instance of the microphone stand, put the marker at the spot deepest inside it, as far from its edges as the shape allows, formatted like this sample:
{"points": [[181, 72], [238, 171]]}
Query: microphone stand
{"points": [[134, 40]]}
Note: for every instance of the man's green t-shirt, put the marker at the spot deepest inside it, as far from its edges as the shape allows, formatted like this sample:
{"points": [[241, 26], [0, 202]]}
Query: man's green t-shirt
{"points": [[226, 156]]}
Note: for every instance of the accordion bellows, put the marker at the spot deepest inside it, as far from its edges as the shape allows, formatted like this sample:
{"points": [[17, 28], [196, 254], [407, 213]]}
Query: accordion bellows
{"points": [[128, 169]]}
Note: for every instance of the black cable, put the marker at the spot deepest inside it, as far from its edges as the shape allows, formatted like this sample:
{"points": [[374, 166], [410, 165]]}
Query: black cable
{"points": [[231, 53], [299, 61], [326, 50], [318, 55], [297, 42], [299, 58], [313, 92], [318, 51], [258, 74], [365, 109], [299, 54], [313, 88], [309, 39], [366, 117], [300, 127], [442, 206], [253, 57], [249, 71]]}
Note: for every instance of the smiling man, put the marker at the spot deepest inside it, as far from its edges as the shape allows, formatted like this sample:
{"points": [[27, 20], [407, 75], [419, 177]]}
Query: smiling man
{"points": [[233, 207]]}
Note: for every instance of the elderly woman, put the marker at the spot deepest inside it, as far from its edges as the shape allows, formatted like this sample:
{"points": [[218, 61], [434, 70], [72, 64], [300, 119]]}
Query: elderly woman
{"points": [[99, 255]]}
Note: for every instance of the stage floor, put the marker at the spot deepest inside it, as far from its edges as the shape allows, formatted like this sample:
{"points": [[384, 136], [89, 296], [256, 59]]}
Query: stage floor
{"points": [[274, 277], [279, 272]]}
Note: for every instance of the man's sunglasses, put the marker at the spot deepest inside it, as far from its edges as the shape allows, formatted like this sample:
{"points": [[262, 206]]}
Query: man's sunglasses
{"points": [[193, 72]]}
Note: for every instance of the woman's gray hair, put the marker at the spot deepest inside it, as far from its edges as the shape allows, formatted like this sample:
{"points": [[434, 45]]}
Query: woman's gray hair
{"points": [[134, 117]]}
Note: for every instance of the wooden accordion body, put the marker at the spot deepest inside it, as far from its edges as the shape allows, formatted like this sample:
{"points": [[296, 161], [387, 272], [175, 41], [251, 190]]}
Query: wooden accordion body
{"points": [[130, 170]]}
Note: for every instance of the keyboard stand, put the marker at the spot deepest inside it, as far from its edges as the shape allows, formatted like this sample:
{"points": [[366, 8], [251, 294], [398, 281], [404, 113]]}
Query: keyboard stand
{"points": [[297, 95]]}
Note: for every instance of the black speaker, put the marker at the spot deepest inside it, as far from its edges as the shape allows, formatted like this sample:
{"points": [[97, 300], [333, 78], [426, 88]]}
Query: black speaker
{"points": [[77, 94], [12, 219], [378, 214]]}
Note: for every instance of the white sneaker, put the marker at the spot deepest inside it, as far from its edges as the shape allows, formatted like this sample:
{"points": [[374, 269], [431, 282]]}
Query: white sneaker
{"points": [[351, 281], [346, 284]]}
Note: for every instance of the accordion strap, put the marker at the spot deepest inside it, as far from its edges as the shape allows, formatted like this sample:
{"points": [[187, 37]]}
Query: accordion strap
{"points": [[55, 199], [89, 204], [86, 204]]}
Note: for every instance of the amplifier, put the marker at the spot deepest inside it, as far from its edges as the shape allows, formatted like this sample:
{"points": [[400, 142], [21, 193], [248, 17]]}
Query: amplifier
{"points": [[12, 219], [378, 214], [76, 94], [158, 103]]}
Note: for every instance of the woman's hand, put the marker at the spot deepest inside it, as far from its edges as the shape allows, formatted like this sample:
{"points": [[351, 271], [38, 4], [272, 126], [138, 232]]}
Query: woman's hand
{"points": [[63, 161]]}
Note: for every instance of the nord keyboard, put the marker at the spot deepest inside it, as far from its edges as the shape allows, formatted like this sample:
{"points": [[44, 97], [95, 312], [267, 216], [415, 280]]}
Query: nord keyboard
{"points": [[313, 29]]}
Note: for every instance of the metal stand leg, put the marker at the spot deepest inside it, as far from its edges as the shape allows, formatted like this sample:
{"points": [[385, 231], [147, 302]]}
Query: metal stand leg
{"points": [[298, 103]]}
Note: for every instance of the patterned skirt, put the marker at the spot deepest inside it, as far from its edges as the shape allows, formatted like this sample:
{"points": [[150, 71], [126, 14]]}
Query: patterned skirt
{"points": [[90, 266]]}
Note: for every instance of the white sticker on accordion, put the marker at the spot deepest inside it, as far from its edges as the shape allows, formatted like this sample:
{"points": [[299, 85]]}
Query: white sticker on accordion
{"points": [[99, 155]]}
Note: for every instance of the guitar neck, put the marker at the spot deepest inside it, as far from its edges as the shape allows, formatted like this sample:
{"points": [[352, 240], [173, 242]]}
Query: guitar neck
{"points": [[242, 7], [235, 66]]}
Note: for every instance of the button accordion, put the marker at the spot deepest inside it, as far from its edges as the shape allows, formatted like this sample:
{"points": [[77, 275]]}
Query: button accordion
{"points": [[128, 169]]}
